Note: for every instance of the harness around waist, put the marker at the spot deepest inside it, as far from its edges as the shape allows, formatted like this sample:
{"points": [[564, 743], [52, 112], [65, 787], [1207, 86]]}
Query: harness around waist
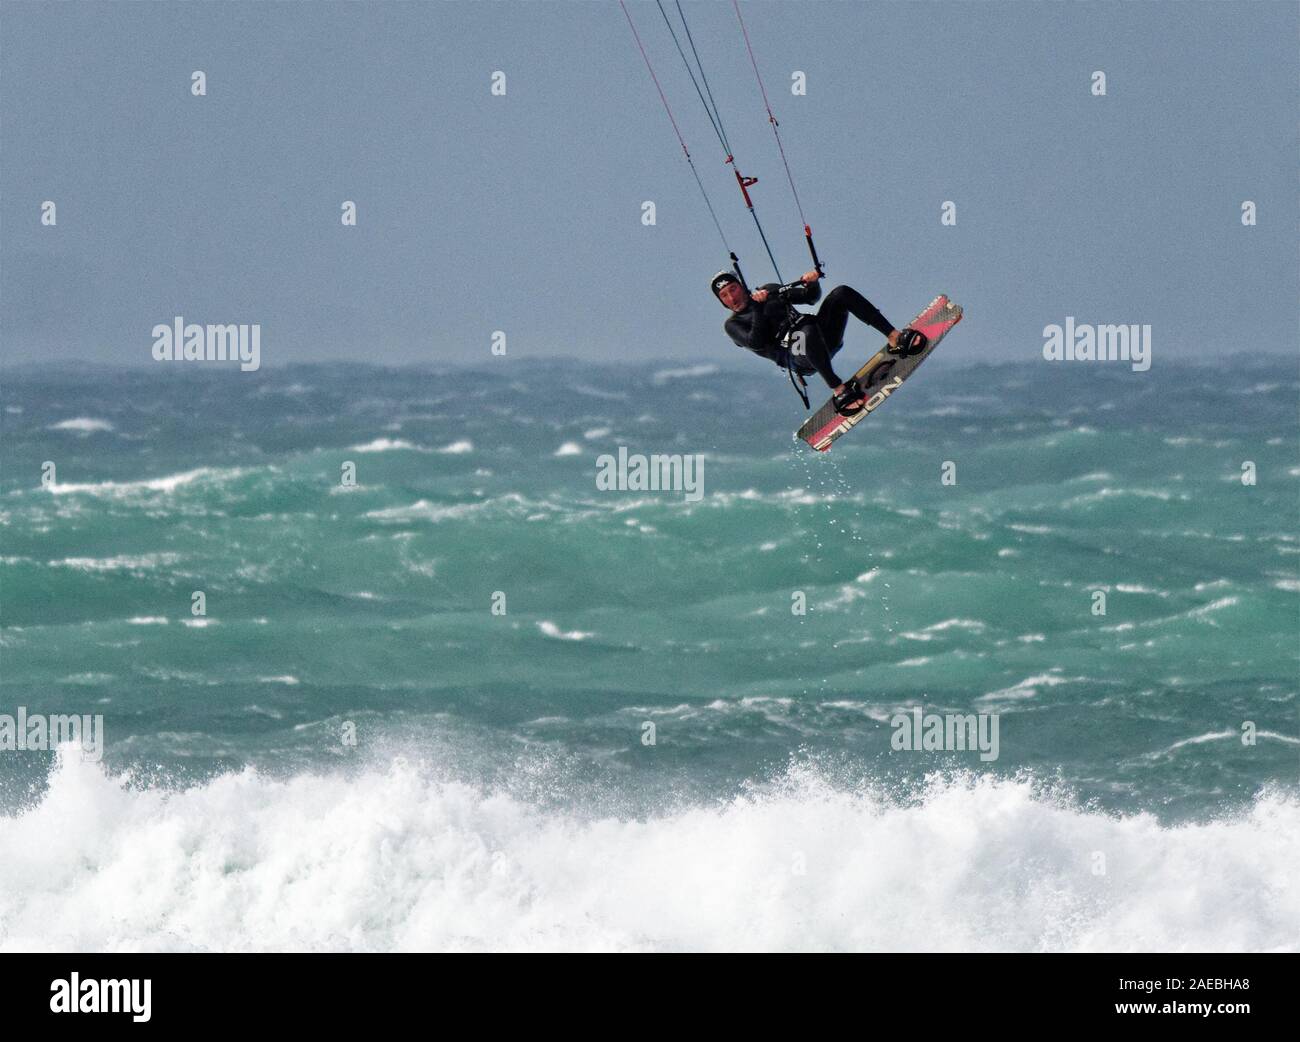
{"points": [[794, 339]]}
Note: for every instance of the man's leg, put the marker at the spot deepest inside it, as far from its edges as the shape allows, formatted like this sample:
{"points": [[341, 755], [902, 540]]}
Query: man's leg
{"points": [[818, 352], [841, 302]]}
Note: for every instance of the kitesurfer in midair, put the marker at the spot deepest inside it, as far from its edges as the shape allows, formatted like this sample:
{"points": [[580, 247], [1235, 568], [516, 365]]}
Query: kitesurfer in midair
{"points": [[766, 322]]}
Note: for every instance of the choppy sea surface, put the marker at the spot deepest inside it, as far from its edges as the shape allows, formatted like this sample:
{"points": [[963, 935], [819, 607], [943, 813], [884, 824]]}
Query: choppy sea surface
{"points": [[475, 701]]}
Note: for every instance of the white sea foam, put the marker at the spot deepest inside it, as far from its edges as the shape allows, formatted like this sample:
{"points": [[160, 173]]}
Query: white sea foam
{"points": [[1114, 493], [457, 448], [387, 445], [170, 483], [550, 629], [1206, 609], [120, 563], [596, 392], [850, 592], [928, 632], [774, 709], [569, 448], [684, 373], [1201, 739], [83, 425], [1229, 735], [423, 510], [1027, 688], [1138, 588], [395, 860], [881, 714]]}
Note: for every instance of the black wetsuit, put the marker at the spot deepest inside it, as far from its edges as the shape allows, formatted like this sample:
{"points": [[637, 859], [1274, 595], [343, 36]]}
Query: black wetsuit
{"points": [[761, 327]]}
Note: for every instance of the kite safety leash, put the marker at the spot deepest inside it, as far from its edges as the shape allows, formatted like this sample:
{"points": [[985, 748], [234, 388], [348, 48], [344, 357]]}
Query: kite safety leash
{"points": [[798, 387]]}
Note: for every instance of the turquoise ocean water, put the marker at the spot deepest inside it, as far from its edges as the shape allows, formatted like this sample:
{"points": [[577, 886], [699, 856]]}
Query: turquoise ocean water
{"points": [[352, 750]]}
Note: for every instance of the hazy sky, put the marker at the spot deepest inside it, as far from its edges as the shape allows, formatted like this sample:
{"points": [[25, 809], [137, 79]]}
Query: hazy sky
{"points": [[523, 213]]}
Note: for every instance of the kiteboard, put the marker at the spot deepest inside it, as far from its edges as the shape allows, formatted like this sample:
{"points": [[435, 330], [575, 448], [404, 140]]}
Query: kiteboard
{"points": [[881, 376]]}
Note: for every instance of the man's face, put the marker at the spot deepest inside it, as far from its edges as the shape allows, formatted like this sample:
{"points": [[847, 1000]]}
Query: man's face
{"points": [[734, 296]]}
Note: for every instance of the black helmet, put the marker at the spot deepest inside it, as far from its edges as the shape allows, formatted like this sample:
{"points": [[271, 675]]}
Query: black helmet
{"points": [[721, 279]]}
